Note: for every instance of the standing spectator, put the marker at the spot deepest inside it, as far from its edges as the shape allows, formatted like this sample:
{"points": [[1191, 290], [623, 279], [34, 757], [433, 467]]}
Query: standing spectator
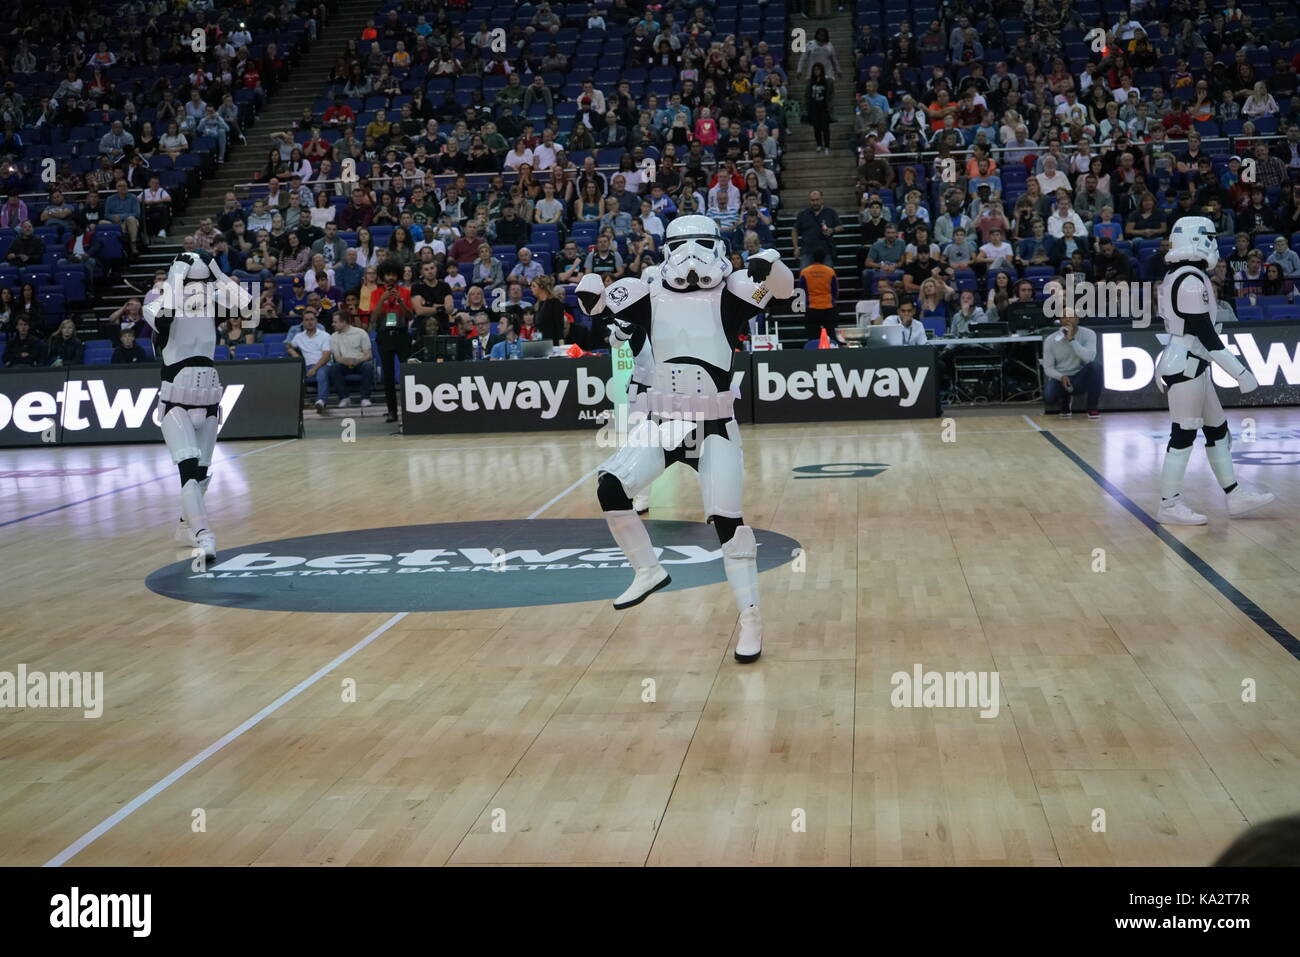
{"points": [[312, 346], [818, 97], [821, 287], [549, 314], [820, 52], [350, 348], [1069, 356], [815, 228], [391, 313]]}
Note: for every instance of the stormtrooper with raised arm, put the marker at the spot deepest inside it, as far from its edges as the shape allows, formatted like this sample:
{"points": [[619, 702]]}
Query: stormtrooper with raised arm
{"points": [[690, 312], [1188, 305], [184, 314]]}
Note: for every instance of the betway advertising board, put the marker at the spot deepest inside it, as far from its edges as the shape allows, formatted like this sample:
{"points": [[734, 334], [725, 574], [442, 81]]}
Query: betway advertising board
{"points": [[788, 386], [830, 385], [92, 405], [1270, 350]]}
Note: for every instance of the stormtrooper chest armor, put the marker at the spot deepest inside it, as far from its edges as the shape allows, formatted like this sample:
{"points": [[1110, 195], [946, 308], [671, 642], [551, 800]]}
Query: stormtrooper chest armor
{"points": [[687, 325]]}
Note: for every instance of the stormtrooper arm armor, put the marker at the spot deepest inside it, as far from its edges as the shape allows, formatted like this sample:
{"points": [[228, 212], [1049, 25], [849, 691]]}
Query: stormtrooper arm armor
{"points": [[749, 293], [235, 297], [626, 302], [167, 299], [1190, 300]]}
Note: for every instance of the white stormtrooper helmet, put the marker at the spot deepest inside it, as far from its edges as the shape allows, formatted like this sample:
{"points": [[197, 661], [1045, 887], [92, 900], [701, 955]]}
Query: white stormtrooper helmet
{"points": [[1193, 239], [695, 256]]}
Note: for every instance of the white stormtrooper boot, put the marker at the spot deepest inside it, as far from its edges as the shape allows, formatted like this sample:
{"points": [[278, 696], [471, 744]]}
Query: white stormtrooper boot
{"points": [[740, 560], [631, 536], [1242, 500], [185, 534], [195, 515]]}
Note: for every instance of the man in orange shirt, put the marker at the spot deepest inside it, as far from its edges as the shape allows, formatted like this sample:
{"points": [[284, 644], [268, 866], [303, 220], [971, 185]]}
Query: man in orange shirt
{"points": [[821, 287]]}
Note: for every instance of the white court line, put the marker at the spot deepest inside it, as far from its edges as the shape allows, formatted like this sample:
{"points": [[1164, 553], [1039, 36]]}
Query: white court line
{"points": [[143, 798], [1034, 425], [562, 494]]}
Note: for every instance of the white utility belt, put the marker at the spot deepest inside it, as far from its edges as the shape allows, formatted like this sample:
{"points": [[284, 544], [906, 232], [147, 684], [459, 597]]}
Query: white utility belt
{"points": [[196, 386], [702, 407]]}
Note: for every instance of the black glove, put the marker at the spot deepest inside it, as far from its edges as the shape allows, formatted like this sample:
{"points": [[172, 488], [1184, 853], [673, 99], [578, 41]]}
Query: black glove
{"points": [[759, 269]]}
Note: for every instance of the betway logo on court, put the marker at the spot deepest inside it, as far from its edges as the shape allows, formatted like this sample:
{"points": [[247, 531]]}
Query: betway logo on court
{"points": [[1128, 368], [472, 393], [830, 380], [427, 560], [85, 403]]}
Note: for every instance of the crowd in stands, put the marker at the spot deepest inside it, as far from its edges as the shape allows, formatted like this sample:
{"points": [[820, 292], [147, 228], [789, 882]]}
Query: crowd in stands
{"points": [[110, 113], [495, 168], [1000, 150]]}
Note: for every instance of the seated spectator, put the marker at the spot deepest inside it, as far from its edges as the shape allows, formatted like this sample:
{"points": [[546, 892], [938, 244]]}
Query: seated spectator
{"points": [[27, 249], [22, 347], [124, 209], [128, 350], [526, 269], [173, 142], [351, 351], [913, 330], [1069, 362], [86, 249], [1284, 258], [966, 315], [233, 332], [312, 346], [487, 270], [64, 348]]}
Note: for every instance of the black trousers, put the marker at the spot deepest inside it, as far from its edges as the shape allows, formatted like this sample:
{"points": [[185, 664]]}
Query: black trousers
{"points": [[818, 319], [392, 350]]}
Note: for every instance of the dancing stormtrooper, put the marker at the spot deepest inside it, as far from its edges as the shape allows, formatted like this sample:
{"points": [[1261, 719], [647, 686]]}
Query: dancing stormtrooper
{"points": [[689, 313], [1187, 304], [184, 315]]}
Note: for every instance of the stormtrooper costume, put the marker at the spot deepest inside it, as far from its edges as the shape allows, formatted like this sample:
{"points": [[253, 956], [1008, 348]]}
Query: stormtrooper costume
{"points": [[189, 398], [689, 313], [1188, 305]]}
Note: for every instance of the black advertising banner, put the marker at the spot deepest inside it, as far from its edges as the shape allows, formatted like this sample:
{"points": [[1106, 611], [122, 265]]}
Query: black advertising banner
{"points": [[103, 404], [829, 385], [1270, 350], [521, 395]]}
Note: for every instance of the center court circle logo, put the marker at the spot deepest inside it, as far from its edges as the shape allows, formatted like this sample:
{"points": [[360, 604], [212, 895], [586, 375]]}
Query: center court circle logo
{"points": [[458, 566]]}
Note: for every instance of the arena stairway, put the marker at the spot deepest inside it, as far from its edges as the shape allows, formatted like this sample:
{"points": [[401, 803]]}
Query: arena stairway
{"points": [[804, 169], [307, 78]]}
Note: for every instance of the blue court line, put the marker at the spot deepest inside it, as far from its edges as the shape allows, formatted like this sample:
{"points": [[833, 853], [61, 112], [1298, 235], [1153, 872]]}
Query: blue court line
{"points": [[127, 488], [1259, 616]]}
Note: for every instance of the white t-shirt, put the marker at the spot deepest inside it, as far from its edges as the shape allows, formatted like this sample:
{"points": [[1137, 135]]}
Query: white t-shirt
{"points": [[514, 159], [311, 347]]}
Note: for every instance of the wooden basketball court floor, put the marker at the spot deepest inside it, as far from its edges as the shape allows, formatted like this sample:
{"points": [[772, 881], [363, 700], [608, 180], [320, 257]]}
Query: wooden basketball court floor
{"points": [[1122, 737]]}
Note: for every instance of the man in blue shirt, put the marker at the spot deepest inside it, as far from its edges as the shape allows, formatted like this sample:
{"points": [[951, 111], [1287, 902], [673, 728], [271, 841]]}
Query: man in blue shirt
{"points": [[124, 209]]}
